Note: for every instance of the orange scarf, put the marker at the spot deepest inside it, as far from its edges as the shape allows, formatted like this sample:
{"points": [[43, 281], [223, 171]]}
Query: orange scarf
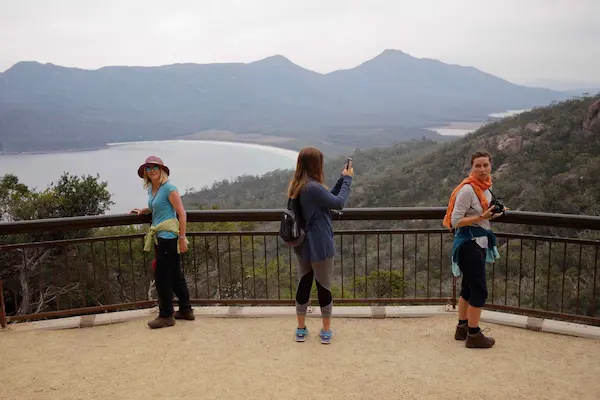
{"points": [[478, 186]]}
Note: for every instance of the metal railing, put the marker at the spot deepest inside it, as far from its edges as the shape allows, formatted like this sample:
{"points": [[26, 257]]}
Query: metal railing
{"points": [[542, 275]]}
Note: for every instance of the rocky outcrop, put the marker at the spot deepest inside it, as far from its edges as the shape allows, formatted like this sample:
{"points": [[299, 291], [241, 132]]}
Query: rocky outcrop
{"points": [[534, 127], [509, 144], [591, 122]]}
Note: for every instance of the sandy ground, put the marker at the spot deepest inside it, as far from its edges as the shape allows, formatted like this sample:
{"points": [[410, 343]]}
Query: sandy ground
{"points": [[213, 358]]}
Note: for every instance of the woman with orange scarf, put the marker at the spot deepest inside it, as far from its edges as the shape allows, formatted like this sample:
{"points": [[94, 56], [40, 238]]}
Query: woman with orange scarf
{"points": [[469, 212]]}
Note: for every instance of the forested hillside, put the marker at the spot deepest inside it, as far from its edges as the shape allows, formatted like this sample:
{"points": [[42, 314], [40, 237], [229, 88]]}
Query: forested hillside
{"points": [[547, 159]]}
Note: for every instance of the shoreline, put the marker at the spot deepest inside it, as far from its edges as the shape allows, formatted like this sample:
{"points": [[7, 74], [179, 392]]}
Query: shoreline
{"points": [[467, 127], [106, 146], [281, 150], [41, 152]]}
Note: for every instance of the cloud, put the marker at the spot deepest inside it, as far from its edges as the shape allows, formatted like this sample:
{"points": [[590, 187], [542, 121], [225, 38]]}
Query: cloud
{"points": [[518, 40]]}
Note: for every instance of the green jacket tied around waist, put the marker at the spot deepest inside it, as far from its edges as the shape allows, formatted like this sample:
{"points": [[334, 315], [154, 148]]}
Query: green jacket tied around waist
{"points": [[169, 225]]}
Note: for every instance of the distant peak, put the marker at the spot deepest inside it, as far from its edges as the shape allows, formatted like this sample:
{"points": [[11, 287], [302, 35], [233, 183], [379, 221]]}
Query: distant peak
{"points": [[26, 64], [387, 59], [30, 66], [390, 56], [390, 52], [277, 59]]}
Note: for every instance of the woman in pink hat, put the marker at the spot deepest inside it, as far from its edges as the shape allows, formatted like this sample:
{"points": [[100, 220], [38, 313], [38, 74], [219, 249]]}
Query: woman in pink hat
{"points": [[166, 237]]}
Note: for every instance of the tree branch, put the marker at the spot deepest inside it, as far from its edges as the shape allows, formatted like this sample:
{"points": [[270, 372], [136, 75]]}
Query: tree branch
{"points": [[52, 293]]}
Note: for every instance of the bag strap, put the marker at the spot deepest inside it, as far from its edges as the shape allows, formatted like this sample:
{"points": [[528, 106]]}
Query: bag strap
{"points": [[298, 211]]}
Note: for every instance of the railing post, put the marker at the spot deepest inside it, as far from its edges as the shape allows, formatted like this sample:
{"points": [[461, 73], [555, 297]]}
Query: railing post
{"points": [[2, 309], [454, 293]]}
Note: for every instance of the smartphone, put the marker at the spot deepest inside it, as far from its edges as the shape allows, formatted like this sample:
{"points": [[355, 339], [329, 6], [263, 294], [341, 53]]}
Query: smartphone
{"points": [[348, 162]]}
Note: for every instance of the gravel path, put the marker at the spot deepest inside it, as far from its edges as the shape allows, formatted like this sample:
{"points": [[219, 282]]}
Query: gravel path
{"points": [[214, 358]]}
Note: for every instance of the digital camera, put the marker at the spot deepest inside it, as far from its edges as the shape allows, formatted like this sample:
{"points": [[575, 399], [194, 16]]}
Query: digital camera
{"points": [[498, 206]]}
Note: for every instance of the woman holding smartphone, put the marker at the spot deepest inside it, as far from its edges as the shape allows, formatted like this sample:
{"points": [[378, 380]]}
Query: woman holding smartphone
{"points": [[315, 254]]}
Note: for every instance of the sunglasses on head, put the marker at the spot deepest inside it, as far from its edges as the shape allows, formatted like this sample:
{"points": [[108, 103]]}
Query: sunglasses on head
{"points": [[152, 168]]}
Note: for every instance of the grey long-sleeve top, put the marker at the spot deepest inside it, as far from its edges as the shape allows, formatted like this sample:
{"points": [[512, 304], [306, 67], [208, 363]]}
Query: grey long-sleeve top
{"points": [[468, 205]]}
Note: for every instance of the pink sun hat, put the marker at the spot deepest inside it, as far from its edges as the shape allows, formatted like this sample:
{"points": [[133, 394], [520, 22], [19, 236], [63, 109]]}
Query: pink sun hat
{"points": [[152, 160]]}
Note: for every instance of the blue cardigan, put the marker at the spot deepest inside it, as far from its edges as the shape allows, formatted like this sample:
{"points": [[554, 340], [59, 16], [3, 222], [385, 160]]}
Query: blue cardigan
{"points": [[317, 203], [466, 233]]}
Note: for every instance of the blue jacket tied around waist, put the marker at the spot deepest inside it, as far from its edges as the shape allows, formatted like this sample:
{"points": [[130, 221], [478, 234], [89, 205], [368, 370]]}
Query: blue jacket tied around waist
{"points": [[466, 233]]}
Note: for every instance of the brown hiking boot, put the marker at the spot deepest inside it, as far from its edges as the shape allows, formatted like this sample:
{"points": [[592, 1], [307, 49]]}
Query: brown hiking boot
{"points": [[461, 332], [479, 341], [161, 322], [185, 315]]}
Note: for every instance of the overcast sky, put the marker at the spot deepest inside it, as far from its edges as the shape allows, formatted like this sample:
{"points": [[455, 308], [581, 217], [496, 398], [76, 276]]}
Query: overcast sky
{"points": [[520, 40]]}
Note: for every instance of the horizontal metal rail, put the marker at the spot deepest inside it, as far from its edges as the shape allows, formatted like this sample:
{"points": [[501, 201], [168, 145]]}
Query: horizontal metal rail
{"points": [[350, 214]]}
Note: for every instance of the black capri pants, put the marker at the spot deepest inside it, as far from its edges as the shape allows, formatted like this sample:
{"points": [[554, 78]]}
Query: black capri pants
{"points": [[471, 261]]}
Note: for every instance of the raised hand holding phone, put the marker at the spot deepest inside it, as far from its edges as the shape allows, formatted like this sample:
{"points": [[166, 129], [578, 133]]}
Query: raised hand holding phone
{"points": [[349, 169]]}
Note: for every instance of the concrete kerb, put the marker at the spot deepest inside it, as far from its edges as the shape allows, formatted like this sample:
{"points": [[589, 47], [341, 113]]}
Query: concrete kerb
{"points": [[375, 312]]}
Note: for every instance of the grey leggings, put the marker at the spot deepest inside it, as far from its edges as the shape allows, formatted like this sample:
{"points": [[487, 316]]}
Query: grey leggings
{"points": [[322, 272]]}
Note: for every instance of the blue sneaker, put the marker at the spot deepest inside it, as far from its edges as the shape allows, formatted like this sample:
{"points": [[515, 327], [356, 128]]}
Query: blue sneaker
{"points": [[325, 336], [301, 334]]}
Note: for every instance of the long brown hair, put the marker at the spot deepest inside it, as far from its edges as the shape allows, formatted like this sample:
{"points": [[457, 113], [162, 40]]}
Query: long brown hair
{"points": [[308, 166]]}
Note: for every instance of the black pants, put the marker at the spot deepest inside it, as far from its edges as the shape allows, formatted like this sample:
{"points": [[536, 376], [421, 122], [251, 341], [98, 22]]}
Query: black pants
{"points": [[471, 260], [169, 278]]}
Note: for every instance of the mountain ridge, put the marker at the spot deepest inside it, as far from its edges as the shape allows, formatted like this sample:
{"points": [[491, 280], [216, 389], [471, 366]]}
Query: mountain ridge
{"points": [[272, 96], [282, 60]]}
